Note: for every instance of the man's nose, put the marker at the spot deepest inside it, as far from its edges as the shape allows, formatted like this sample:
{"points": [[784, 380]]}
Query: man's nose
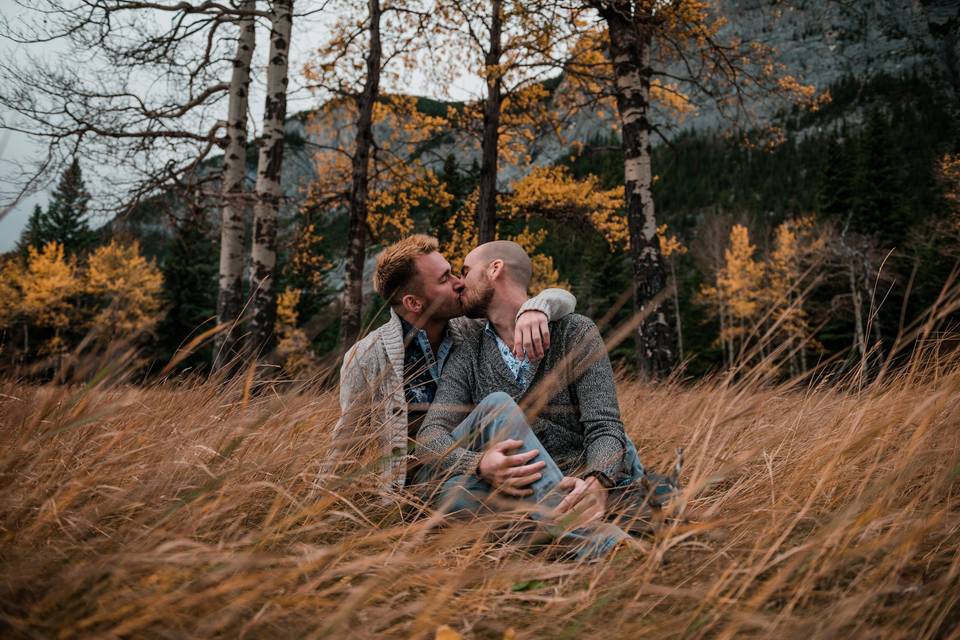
{"points": [[458, 285]]}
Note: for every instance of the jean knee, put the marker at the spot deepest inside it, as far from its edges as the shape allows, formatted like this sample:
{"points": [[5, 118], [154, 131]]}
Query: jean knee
{"points": [[498, 399]]}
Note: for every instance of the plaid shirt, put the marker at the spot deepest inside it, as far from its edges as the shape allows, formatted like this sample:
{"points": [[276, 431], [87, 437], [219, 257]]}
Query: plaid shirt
{"points": [[421, 368]]}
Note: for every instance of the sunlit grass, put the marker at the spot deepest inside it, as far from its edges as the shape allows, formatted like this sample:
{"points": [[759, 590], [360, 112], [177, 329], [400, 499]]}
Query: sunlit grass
{"points": [[194, 511]]}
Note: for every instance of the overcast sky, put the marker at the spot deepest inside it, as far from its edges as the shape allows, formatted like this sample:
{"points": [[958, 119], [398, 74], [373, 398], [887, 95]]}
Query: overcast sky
{"points": [[308, 33]]}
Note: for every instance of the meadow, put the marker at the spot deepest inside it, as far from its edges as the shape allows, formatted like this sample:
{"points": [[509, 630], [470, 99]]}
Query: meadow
{"points": [[191, 510]]}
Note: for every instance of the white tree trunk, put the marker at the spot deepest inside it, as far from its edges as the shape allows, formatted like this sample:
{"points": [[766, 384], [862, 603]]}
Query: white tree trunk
{"points": [[860, 340], [630, 47], [230, 296], [269, 191]]}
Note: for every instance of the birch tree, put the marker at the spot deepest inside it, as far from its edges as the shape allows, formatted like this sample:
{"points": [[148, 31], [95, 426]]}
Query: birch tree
{"points": [[678, 42], [269, 191], [234, 200]]}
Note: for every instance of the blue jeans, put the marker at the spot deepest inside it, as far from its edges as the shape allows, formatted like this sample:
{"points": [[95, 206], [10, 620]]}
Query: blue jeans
{"points": [[496, 418]]}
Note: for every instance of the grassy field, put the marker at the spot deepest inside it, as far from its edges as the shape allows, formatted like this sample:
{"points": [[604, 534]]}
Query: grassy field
{"points": [[192, 511]]}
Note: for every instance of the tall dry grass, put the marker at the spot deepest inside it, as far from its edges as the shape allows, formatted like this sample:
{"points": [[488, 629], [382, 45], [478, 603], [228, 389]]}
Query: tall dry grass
{"points": [[192, 511]]}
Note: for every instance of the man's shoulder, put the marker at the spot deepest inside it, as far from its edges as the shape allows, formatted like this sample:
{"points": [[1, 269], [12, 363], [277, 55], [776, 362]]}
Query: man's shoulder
{"points": [[369, 351], [572, 322]]}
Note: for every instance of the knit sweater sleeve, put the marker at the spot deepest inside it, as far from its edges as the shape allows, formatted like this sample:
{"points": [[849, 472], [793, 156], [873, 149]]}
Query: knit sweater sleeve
{"points": [[355, 407], [604, 438], [451, 406], [555, 303]]}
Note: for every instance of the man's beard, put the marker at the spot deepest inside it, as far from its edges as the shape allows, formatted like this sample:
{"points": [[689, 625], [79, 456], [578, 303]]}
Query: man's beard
{"points": [[476, 304]]}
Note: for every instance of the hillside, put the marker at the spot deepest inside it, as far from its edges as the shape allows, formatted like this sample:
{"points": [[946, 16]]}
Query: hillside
{"points": [[827, 45]]}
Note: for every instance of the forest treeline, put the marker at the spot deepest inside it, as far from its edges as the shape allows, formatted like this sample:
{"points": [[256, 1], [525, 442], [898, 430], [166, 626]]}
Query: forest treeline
{"points": [[816, 248], [816, 234]]}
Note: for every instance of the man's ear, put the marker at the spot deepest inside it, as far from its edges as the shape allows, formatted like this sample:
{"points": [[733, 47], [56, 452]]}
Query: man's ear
{"points": [[412, 303], [495, 268]]}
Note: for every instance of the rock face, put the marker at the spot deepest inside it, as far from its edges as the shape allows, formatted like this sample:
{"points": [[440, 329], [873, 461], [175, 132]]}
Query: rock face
{"points": [[818, 41]]}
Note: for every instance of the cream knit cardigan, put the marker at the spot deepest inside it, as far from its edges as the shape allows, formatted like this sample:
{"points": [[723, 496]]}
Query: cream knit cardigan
{"points": [[373, 407]]}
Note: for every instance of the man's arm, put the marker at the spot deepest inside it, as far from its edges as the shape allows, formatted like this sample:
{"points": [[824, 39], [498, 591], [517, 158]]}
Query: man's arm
{"points": [[450, 407], [554, 303], [603, 434], [531, 337], [355, 407]]}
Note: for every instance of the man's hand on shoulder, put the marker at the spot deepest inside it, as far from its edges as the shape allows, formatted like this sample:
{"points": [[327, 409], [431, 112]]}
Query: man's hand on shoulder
{"points": [[532, 335], [586, 502], [511, 474]]}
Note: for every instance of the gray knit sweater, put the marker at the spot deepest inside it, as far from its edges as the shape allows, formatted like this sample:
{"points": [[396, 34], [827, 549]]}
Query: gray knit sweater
{"points": [[571, 403], [372, 402]]}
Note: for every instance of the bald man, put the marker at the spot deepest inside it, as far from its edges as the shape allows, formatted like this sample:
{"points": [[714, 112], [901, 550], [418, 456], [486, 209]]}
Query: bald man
{"points": [[569, 453]]}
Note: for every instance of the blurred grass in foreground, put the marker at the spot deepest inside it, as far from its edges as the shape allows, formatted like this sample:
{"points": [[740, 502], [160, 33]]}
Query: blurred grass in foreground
{"points": [[191, 510]]}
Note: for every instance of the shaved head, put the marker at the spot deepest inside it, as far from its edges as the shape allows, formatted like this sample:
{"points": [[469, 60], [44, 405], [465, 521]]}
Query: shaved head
{"points": [[515, 259]]}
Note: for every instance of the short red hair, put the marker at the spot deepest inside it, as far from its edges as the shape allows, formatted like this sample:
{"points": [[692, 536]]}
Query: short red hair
{"points": [[396, 266]]}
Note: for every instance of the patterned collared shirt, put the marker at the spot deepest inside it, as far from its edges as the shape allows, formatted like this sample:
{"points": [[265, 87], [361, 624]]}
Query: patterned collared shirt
{"points": [[522, 370], [421, 368]]}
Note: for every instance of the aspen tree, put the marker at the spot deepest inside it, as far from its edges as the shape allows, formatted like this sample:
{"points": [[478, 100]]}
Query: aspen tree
{"points": [[48, 288], [127, 288], [798, 247], [512, 46], [736, 292], [268, 190], [546, 193], [234, 201], [681, 40]]}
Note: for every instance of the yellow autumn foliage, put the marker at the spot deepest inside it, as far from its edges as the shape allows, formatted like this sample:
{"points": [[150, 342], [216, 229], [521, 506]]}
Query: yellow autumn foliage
{"points": [[293, 346], [553, 192], [398, 181], [11, 273], [463, 239], [670, 245], [798, 247], [305, 260], [129, 288], [48, 286], [742, 275], [545, 193], [736, 294]]}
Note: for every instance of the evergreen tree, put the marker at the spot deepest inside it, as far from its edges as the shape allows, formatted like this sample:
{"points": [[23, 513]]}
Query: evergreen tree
{"points": [[878, 204], [836, 195], [458, 185], [65, 220], [32, 235], [190, 287]]}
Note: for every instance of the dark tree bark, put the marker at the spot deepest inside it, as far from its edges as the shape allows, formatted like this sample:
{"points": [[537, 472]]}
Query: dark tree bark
{"points": [[269, 189], [630, 43], [357, 232], [230, 297], [487, 202]]}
